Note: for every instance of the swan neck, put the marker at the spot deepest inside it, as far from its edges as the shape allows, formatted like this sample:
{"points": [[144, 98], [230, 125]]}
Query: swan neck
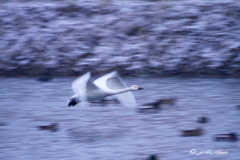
{"points": [[119, 91]]}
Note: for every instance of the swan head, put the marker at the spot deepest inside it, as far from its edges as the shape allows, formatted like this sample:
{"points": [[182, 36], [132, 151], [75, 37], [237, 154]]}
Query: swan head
{"points": [[73, 101], [136, 87]]}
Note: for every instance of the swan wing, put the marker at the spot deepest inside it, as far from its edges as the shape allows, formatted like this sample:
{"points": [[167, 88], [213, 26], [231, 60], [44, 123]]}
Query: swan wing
{"points": [[101, 82], [80, 84], [79, 87], [114, 82], [86, 89]]}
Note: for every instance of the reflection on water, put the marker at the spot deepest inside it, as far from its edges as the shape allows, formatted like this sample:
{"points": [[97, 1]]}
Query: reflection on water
{"points": [[111, 131]]}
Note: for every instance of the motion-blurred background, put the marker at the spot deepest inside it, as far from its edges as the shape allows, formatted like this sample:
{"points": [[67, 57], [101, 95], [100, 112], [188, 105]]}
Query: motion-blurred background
{"points": [[188, 50]]}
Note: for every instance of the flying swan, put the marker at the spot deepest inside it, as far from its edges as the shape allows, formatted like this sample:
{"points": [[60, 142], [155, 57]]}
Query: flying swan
{"points": [[110, 84]]}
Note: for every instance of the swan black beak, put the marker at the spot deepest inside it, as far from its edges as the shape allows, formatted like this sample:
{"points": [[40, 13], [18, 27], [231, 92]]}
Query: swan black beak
{"points": [[140, 88]]}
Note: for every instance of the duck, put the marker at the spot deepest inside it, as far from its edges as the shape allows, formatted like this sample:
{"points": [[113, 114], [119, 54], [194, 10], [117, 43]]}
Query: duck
{"points": [[155, 107], [152, 157], [167, 100], [202, 120], [192, 132], [226, 137], [52, 127], [108, 85], [46, 75], [154, 104], [159, 102], [3, 123], [238, 107], [44, 79]]}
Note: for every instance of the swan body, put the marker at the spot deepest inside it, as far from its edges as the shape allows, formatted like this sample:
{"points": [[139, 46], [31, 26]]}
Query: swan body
{"points": [[110, 84]]}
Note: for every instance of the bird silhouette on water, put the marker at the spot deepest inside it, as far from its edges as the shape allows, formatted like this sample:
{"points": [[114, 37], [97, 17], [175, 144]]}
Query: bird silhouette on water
{"points": [[167, 100], [226, 137], [159, 102], [155, 107], [192, 132], [202, 120], [52, 127], [153, 157]]}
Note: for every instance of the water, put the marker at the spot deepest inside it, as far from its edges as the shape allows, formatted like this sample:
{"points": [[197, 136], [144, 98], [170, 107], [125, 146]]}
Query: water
{"points": [[111, 131]]}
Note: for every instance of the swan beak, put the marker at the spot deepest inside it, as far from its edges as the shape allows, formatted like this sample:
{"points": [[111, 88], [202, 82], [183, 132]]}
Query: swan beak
{"points": [[140, 88]]}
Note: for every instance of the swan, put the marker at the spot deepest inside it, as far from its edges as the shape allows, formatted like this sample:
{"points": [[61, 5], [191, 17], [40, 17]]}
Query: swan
{"points": [[110, 84]]}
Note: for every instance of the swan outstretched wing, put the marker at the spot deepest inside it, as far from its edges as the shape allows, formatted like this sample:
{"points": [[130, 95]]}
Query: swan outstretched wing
{"points": [[102, 81], [80, 84], [114, 82], [85, 88]]}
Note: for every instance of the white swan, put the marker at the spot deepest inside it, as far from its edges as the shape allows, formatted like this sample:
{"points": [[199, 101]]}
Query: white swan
{"points": [[110, 84]]}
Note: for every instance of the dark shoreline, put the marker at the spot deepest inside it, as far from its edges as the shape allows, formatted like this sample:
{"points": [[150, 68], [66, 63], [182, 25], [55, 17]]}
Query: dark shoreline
{"points": [[180, 38]]}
